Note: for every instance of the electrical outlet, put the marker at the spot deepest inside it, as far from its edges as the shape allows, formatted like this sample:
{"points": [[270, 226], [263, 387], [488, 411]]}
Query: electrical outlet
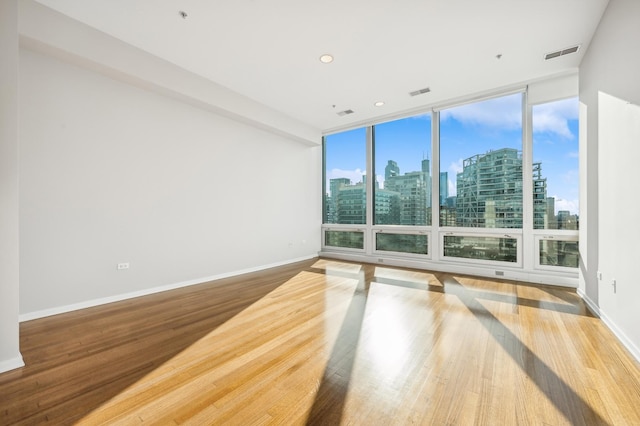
{"points": [[123, 265]]}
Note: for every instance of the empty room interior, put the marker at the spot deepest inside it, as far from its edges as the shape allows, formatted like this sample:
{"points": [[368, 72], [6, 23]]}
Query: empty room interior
{"points": [[336, 212]]}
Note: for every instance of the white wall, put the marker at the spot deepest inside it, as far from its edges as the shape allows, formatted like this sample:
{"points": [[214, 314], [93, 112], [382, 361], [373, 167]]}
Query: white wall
{"points": [[53, 33], [610, 70], [9, 240], [113, 173]]}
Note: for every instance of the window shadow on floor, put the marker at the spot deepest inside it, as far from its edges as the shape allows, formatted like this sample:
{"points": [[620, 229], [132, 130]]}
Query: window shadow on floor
{"points": [[573, 407], [333, 388]]}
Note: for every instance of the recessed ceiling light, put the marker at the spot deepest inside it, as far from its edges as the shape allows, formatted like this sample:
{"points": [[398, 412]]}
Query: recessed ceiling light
{"points": [[326, 58], [379, 104]]}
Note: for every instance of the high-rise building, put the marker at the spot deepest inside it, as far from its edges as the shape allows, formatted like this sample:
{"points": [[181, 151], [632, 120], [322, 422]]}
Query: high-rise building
{"points": [[552, 223], [426, 173], [351, 204], [391, 170], [444, 187], [489, 190], [332, 199], [540, 215], [413, 191], [387, 206], [566, 220]]}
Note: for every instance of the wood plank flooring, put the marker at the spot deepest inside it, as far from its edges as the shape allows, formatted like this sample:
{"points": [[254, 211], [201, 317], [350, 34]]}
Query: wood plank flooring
{"points": [[326, 342]]}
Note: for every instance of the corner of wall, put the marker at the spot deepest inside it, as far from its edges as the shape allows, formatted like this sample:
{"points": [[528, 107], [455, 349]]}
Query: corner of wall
{"points": [[11, 364], [9, 196]]}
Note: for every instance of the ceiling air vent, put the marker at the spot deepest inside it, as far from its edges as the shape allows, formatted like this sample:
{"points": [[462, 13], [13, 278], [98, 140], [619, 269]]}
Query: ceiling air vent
{"points": [[419, 92], [345, 112], [562, 52]]}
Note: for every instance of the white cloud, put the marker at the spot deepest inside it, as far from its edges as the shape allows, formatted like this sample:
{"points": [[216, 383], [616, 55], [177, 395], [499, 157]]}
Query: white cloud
{"points": [[553, 117], [354, 175], [573, 206], [571, 178], [456, 167], [452, 188], [504, 112]]}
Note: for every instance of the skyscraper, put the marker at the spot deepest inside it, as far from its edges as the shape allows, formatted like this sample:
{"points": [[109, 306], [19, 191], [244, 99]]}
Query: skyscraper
{"points": [[391, 170], [412, 190], [332, 199], [444, 187], [540, 218], [426, 173], [552, 223], [489, 191]]}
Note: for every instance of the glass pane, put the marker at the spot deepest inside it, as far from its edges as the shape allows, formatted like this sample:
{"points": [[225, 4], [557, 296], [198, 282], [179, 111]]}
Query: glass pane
{"points": [[403, 172], [345, 160], [405, 243], [559, 253], [484, 248], [481, 164], [348, 239], [555, 167]]}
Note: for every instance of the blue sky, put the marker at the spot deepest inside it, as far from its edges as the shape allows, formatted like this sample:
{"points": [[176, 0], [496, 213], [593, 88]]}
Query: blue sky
{"points": [[466, 131]]}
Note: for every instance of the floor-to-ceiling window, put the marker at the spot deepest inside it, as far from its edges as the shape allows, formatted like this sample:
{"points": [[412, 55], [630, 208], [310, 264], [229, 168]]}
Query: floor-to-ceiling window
{"points": [[345, 191], [481, 160], [555, 189], [490, 183], [403, 185]]}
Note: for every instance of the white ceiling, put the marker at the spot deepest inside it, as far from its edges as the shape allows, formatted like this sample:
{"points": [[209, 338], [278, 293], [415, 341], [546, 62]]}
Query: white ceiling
{"points": [[268, 50]]}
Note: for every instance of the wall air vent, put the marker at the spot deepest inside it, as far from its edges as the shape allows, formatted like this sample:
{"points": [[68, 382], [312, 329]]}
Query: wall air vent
{"points": [[419, 92], [345, 112], [562, 52]]}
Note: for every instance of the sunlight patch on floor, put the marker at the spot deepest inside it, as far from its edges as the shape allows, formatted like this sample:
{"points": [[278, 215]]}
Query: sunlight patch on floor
{"points": [[203, 379], [335, 266]]}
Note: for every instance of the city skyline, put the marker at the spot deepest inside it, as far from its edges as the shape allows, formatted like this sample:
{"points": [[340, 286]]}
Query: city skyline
{"points": [[489, 194], [466, 131]]}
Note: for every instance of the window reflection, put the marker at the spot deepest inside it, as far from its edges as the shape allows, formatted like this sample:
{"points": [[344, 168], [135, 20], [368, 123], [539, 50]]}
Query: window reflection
{"points": [[500, 249], [559, 253]]}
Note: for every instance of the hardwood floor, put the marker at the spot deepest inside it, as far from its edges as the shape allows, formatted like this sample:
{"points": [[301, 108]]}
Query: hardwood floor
{"points": [[327, 342]]}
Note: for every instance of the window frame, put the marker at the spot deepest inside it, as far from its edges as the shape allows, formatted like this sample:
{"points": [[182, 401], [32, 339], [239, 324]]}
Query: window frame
{"points": [[344, 228], [527, 238], [555, 235], [481, 232], [391, 229]]}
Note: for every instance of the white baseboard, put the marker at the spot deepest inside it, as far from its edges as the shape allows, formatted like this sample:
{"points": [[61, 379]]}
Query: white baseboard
{"points": [[119, 297], [11, 364], [524, 276], [624, 339], [562, 279], [595, 310], [611, 325]]}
